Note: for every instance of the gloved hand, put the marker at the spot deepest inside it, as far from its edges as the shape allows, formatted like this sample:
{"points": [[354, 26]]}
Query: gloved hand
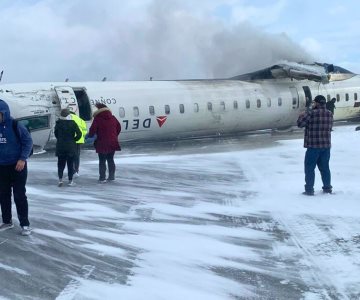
{"points": [[90, 140]]}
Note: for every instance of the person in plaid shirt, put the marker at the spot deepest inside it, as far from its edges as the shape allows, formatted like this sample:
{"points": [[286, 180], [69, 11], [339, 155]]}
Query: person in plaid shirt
{"points": [[317, 139]]}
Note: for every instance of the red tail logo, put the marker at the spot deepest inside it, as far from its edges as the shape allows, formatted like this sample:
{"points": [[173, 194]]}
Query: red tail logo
{"points": [[161, 120]]}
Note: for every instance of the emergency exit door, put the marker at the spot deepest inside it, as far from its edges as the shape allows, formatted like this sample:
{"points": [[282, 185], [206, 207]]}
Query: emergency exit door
{"points": [[67, 98]]}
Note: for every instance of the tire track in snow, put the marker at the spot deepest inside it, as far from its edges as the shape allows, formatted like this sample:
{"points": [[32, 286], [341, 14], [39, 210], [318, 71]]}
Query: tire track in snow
{"points": [[70, 290], [309, 239]]}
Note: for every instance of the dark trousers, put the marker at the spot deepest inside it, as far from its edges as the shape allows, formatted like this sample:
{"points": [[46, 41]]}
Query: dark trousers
{"points": [[10, 179], [66, 160], [319, 157], [77, 158], [109, 158]]}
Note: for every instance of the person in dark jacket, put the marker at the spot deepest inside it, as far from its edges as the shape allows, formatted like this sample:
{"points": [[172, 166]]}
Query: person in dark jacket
{"points": [[330, 105], [15, 149], [66, 133], [317, 139], [106, 128]]}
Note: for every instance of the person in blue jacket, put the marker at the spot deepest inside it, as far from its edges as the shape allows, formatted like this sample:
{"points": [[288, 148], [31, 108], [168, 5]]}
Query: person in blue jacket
{"points": [[14, 151]]}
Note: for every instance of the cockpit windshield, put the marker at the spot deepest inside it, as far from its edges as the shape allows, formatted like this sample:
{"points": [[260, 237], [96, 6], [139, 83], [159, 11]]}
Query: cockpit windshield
{"points": [[35, 123]]}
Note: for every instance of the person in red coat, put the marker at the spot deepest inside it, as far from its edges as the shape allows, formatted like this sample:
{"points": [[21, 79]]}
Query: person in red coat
{"points": [[106, 128]]}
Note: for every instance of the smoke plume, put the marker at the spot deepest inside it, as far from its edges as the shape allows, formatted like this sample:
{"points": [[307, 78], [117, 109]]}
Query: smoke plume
{"points": [[49, 41]]}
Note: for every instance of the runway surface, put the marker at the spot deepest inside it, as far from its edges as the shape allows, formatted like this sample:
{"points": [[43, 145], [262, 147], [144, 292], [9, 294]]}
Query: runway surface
{"points": [[204, 219]]}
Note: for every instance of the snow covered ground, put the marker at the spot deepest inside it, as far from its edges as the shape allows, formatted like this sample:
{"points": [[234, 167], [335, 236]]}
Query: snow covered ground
{"points": [[209, 219]]}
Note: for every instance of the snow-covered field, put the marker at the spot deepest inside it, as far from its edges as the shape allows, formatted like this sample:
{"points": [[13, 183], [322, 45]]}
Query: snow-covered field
{"points": [[214, 219]]}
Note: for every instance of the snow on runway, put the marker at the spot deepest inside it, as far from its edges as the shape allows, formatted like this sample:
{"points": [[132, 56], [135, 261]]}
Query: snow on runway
{"points": [[213, 219]]}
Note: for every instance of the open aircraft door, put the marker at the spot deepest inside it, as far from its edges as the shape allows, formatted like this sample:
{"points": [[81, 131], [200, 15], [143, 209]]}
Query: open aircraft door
{"points": [[67, 98], [295, 97]]}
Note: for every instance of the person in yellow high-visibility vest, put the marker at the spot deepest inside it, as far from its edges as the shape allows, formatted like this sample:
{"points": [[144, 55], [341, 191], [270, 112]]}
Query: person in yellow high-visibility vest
{"points": [[82, 126]]}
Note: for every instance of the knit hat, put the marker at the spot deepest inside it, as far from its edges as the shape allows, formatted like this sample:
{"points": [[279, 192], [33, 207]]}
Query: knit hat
{"points": [[64, 112], [320, 99]]}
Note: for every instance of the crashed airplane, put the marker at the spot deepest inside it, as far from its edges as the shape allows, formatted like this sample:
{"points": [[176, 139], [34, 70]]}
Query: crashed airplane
{"points": [[271, 98]]}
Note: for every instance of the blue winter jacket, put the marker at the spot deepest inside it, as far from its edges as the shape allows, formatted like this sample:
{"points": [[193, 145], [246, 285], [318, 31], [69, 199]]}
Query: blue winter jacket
{"points": [[11, 149]]}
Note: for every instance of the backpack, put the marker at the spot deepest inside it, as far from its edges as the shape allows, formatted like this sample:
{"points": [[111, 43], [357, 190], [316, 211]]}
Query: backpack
{"points": [[16, 130]]}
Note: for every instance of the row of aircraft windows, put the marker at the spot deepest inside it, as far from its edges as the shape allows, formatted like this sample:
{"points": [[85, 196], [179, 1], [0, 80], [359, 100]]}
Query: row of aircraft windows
{"points": [[222, 105], [196, 107], [347, 97]]}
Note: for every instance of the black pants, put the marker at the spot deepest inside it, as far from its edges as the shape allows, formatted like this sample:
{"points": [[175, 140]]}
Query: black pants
{"points": [[12, 179], [62, 161], [109, 158], [77, 159]]}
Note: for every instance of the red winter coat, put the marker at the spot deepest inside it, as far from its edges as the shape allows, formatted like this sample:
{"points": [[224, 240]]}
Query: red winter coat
{"points": [[107, 128]]}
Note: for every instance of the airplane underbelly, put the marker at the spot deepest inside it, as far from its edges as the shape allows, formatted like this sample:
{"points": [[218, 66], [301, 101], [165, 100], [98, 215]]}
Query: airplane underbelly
{"points": [[344, 113]]}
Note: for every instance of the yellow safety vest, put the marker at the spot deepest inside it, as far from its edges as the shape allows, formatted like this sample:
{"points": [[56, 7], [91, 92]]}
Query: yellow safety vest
{"points": [[82, 126]]}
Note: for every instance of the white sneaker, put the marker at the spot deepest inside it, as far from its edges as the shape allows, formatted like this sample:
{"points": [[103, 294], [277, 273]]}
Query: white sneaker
{"points": [[26, 230], [60, 184], [5, 226], [76, 175], [102, 181], [71, 183]]}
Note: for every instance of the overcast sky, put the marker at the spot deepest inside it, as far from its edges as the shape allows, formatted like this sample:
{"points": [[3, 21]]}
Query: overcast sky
{"points": [[51, 40]]}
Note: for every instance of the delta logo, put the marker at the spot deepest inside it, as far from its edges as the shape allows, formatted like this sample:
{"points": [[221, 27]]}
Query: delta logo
{"points": [[161, 120]]}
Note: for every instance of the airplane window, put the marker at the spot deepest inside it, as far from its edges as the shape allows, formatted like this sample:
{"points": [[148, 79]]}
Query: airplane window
{"points": [[209, 106], [258, 103], [247, 103], [196, 107], [347, 97], [182, 109], [268, 102], [279, 101], [355, 96], [222, 105], [235, 104], [152, 110], [136, 111], [35, 123], [294, 101], [337, 97], [122, 112], [167, 109]]}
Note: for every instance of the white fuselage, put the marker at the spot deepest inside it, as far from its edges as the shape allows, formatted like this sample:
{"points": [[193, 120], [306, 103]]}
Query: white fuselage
{"points": [[155, 110]]}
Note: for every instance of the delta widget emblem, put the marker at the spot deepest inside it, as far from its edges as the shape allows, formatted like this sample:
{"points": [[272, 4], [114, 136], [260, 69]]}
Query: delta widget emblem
{"points": [[161, 120]]}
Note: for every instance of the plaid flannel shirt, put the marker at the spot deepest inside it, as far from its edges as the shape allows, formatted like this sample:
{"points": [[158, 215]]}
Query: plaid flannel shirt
{"points": [[318, 124]]}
